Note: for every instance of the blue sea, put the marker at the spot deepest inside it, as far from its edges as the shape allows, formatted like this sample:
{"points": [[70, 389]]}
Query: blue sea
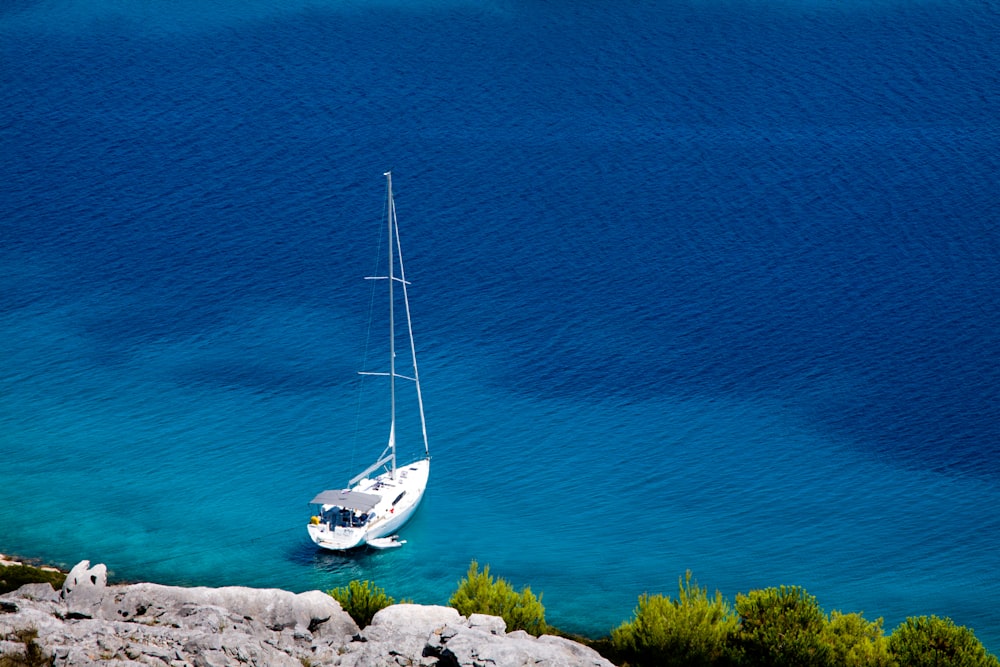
{"points": [[701, 284]]}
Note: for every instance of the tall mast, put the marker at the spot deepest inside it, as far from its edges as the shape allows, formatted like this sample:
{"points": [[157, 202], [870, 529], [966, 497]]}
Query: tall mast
{"points": [[388, 455], [392, 323]]}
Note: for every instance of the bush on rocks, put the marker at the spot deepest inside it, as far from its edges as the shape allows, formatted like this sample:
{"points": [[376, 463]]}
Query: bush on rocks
{"points": [[362, 600], [781, 626], [857, 642], [480, 593], [694, 629], [13, 577], [932, 641]]}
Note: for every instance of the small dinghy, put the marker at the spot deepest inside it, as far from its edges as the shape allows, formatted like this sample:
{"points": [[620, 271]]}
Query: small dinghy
{"points": [[390, 542]]}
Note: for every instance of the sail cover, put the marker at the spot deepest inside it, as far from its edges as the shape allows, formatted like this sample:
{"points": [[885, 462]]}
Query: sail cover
{"points": [[355, 500]]}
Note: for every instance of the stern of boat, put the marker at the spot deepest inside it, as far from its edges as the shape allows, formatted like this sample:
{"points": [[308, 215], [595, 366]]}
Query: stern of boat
{"points": [[339, 538]]}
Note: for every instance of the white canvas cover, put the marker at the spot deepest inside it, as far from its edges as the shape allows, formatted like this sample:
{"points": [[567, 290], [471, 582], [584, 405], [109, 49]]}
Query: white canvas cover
{"points": [[355, 500]]}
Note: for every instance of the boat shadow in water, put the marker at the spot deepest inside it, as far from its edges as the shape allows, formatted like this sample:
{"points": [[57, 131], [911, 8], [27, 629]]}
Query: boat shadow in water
{"points": [[355, 562]]}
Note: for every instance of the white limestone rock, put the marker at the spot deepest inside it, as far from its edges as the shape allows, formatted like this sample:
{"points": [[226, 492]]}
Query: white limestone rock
{"points": [[274, 609], [90, 623], [84, 588], [396, 633], [491, 624], [485, 643], [39, 592], [416, 619]]}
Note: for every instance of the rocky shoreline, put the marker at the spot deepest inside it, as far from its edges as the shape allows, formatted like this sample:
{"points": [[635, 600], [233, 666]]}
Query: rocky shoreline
{"points": [[89, 623]]}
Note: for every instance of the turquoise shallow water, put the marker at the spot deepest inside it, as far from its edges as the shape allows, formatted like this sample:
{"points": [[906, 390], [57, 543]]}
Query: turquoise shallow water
{"points": [[708, 287]]}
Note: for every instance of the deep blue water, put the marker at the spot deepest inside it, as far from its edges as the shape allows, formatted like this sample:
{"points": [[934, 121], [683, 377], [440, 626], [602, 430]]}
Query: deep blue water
{"points": [[706, 285]]}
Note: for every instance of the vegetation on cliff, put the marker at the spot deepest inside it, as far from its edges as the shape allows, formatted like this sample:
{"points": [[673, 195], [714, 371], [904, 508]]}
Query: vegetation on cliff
{"points": [[694, 629], [14, 576], [481, 593], [774, 626], [362, 600], [782, 626]]}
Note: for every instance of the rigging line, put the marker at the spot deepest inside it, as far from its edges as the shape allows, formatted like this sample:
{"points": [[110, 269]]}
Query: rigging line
{"points": [[224, 547], [409, 327]]}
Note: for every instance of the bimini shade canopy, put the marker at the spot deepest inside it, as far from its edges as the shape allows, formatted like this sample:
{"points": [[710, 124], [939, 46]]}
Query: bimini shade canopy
{"points": [[363, 502]]}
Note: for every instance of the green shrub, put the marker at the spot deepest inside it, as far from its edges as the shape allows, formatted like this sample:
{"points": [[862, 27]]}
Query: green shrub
{"points": [[13, 577], [362, 600], [781, 626], [931, 641], [479, 593], [693, 630], [856, 642]]}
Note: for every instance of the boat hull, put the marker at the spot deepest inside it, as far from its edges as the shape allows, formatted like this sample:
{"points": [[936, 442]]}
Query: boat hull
{"points": [[337, 538], [399, 498]]}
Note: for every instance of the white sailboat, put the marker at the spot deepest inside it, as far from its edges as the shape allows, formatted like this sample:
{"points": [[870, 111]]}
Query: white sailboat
{"points": [[373, 508]]}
